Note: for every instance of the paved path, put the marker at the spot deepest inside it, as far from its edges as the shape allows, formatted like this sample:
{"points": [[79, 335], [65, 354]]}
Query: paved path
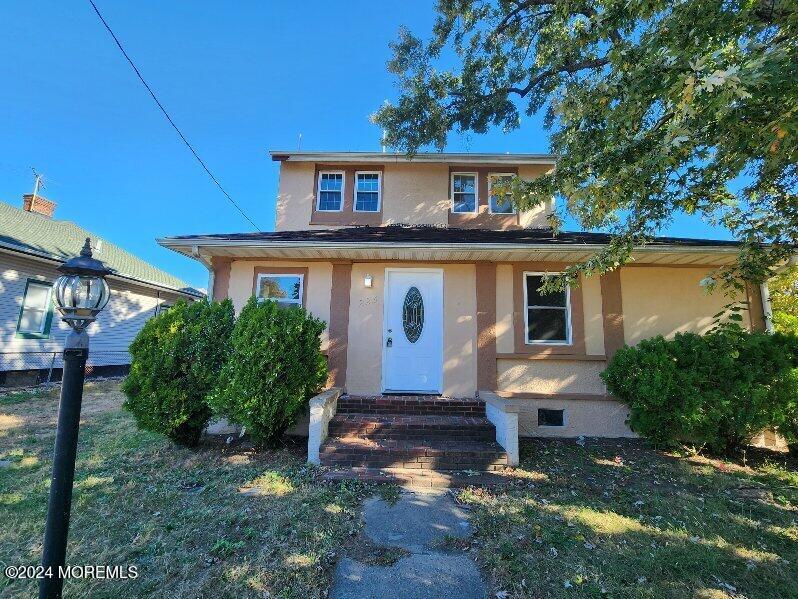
{"points": [[418, 523]]}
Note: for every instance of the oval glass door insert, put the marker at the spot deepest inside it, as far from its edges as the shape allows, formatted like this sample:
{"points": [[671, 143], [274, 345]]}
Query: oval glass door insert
{"points": [[413, 314]]}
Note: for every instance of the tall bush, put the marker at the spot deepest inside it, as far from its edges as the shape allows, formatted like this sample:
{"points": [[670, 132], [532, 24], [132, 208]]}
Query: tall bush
{"points": [[716, 390], [275, 366], [176, 360]]}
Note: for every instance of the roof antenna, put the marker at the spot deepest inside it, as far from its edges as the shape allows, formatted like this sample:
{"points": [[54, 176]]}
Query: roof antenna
{"points": [[299, 143], [38, 183]]}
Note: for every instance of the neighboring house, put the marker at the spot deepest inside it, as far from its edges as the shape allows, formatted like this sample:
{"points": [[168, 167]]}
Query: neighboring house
{"points": [[32, 246], [428, 283]]}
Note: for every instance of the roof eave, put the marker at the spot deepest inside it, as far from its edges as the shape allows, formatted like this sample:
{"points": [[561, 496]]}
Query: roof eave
{"points": [[51, 258], [430, 157], [175, 243]]}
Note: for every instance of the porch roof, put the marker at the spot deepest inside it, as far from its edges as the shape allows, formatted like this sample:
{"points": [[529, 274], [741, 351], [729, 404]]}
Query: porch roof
{"points": [[428, 243]]}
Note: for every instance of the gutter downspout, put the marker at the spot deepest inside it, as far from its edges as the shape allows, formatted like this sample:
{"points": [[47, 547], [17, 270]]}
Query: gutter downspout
{"points": [[195, 253], [767, 309]]}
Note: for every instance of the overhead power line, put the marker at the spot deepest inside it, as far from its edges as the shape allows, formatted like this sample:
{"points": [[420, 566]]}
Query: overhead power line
{"points": [[168, 118]]}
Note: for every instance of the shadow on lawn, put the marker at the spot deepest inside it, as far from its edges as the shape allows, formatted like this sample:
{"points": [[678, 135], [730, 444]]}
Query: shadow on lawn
{"points": [[616, 517]]}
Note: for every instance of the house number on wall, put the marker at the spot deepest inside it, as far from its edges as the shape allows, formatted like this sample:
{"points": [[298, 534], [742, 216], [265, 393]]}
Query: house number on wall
{"points": [[413, 314]]}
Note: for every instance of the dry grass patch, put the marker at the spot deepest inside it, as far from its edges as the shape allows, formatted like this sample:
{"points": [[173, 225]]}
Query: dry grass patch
{"points": [[616, 519], [184, 517]]}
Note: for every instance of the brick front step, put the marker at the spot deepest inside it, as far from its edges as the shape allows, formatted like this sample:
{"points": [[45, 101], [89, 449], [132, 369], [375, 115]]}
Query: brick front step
{"points": [[418, 478], [410, 426], [427, 454], [429, 405]]}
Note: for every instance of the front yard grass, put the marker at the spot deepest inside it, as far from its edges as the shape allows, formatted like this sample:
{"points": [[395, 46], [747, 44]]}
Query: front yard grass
{"points": [[617, 519], [220, 522]]}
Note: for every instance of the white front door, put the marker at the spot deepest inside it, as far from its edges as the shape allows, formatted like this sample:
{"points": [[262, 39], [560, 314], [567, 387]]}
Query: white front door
{"points": [[412, 348]]}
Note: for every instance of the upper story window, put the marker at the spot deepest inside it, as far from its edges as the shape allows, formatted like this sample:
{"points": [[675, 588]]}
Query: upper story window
{"points": [[36, 314], [464, 192], [285, 289], [500, 203], [331, 191], [547, 317], [367, 191]]}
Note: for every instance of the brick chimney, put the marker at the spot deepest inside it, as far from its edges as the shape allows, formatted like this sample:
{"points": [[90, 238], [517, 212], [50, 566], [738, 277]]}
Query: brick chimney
{"points": [[38, 204]]}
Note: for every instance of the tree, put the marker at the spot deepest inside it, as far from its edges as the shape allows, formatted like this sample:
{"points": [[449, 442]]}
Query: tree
{"points": [[656, 107], [784, 300]]}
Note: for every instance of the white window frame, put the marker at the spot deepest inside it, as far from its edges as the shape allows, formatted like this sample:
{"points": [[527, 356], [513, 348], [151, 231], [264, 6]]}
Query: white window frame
{"points": [[490, 194], [379, 192], [282, 275], [476, 192], [47, 307], [319, 190], [568, 325]]}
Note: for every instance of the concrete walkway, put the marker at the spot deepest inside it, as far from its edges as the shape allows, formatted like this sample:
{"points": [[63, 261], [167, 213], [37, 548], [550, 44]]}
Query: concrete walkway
{"points": [[418, 523]]}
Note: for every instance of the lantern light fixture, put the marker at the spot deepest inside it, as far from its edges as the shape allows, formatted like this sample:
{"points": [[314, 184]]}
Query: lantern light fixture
{"points": [[368, 281], [81, 292]]}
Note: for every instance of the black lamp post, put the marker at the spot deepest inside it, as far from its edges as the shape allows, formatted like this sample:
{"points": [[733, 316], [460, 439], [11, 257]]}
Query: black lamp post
{"points": [[80, 294]]}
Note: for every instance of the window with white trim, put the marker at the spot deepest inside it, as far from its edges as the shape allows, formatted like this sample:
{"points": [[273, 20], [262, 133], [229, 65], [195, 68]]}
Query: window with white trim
{"points": [[500, 204], [331, 191], [285, 289], [547, 318], [36, 313], [464, 192], [367, 191]]}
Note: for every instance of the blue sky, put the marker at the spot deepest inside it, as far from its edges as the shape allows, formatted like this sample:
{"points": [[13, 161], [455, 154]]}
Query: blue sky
{"points": [[239, 79]]}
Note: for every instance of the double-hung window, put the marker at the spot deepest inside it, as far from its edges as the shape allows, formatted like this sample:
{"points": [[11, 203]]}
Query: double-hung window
{"points": [[464, 192], [330, 192], [284, 289], [500, 202], [548, 317], [36, 313], [367, 192]]}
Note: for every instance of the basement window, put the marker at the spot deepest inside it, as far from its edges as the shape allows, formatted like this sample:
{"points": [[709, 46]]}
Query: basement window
{"points": [[547, 417]]}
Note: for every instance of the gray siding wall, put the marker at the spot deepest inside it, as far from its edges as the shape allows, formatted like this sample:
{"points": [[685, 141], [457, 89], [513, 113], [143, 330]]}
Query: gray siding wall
{"points": [[128, 309]]}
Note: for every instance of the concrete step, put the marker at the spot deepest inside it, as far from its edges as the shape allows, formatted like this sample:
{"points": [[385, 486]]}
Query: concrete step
{"points": [[421, 405], [415, 478], [411, 426], [426, 454]]}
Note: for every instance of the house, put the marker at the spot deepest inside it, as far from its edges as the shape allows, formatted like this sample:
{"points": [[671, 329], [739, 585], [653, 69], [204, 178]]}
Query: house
{"points": [[32, 245], [429, 285]]}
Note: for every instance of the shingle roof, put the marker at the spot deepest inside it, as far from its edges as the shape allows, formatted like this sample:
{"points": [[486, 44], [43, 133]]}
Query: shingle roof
{"points": [[432, 235], [59, 240]]}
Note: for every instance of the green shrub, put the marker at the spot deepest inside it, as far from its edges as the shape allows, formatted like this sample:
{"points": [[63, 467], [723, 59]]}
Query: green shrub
{"points": [[176, 360], [275, 366], [716, 390]]}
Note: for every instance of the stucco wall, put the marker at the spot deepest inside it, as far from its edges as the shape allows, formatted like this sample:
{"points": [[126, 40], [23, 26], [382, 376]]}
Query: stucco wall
{"points": [[535, 219], [295, 196], [591, 418], [594, 320], [550, 376], [505, 343], [413, 193], [364, 361], [416, 194], [317, 285], [666, 301]]}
